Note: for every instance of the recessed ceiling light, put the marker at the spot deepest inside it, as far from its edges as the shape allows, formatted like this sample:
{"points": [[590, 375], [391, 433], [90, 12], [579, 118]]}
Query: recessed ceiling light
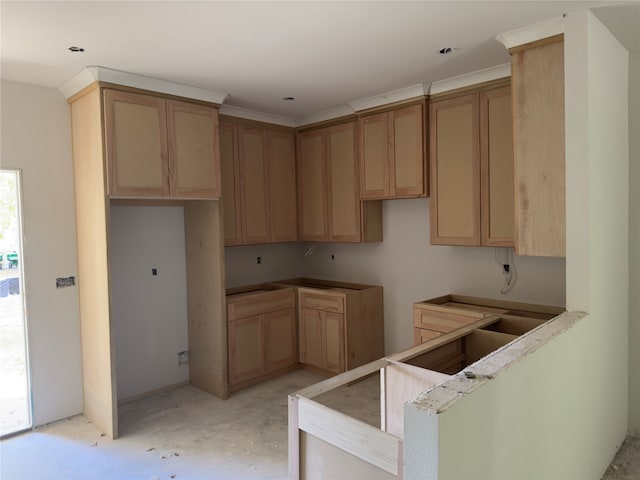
{"points": [[76, 49], [446, 50], [288, 99]]}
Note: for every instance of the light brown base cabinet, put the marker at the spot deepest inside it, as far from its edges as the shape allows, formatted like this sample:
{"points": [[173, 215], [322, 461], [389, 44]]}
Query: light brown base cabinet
{"points": [[262, 335], [341, 324], [437, 316]]}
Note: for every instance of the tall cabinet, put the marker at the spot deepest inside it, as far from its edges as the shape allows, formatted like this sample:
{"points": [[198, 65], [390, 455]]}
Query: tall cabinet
{"points": [[259, 183], [472, 194], [172, 153], [328, 190]]}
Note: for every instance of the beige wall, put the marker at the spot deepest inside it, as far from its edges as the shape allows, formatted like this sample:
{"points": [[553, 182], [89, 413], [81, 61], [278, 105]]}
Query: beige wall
{"points": [[410, 269], [279, 261], [149, 313], [561, 412], [35, 136], [634, 243]]}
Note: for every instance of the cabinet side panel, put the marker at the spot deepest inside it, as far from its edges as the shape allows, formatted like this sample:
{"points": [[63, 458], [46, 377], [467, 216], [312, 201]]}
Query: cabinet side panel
{"points": [[344, 199], [253, 186], [93, 276], [206, 296], [282, 186], [364, 315], [538, 116], [230, 185]]}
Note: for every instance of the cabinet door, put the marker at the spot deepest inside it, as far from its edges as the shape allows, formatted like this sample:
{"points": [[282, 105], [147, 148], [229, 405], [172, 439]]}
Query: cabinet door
{"points": [[253, 185], [455, 172], [374, 156], [246, 349], [496, 161], [311, 348], [538, 129], [406, 152], [282, 186], [332, 341], [230, 184], [136, 144], [312, 186], [344, 199], [280, 339], [194, 157]]}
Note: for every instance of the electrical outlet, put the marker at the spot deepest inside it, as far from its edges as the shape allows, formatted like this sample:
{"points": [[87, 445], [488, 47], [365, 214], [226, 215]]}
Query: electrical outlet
{"points": [[154, 271], [183, 357], [62, 282], [333, 257], [506, 268], [258, 260]]}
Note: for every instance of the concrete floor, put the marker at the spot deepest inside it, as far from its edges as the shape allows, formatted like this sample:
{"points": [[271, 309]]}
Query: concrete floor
{"points": [[189, 434]]}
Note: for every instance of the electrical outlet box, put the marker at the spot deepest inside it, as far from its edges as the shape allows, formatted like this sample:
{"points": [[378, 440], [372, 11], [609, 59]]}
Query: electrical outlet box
{"points": [[183, 357], [62, 282]]}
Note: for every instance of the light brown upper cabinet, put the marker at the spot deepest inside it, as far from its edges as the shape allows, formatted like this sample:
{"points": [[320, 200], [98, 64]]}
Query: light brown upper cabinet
{"points": [[393, 154], [160, 148], [472, 169], [330, 206], [258, 184], [538, 118]]}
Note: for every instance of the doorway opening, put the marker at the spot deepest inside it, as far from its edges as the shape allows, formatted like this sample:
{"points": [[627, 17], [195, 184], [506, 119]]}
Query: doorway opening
{"points": [[15, 389]]}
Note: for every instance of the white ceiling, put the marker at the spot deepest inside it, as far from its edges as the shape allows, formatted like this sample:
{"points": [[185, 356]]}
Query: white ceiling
{"points": [[325, 54]]}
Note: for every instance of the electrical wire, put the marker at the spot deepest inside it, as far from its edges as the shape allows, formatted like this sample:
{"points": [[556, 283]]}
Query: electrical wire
{"points": [[508, 267]]}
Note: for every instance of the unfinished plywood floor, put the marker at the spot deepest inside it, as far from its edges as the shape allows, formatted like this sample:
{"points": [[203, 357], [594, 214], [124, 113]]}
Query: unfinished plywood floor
{"points": [[182, 434]]}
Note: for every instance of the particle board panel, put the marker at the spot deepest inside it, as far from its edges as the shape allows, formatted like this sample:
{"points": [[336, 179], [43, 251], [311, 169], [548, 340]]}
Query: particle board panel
{"points": [[482, 342], [206, 301], [92, 218]]}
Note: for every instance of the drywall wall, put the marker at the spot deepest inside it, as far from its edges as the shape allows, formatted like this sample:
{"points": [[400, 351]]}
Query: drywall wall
{"points": [[634, 243], [410, 269], [149, 312], [278, 261], [35, 136], [561, 412]]}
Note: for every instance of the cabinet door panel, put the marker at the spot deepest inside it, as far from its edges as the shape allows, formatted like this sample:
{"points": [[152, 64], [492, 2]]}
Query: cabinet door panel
{"points": [[455, 163], [407, 152], [230, 185], [374, 156], [253, 186], [312, 186], [136, 144], [246, 349], [280, 339], [282, 186], [310, 337], [496, 154], [194, 153], [333, 341], [344, 199]]}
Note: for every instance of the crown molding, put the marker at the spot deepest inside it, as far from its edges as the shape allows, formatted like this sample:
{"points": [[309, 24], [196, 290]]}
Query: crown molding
{"points": [[92, 74], [331, 114], [473, 78], [239, 112], [413, 91], [531, 33]]}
